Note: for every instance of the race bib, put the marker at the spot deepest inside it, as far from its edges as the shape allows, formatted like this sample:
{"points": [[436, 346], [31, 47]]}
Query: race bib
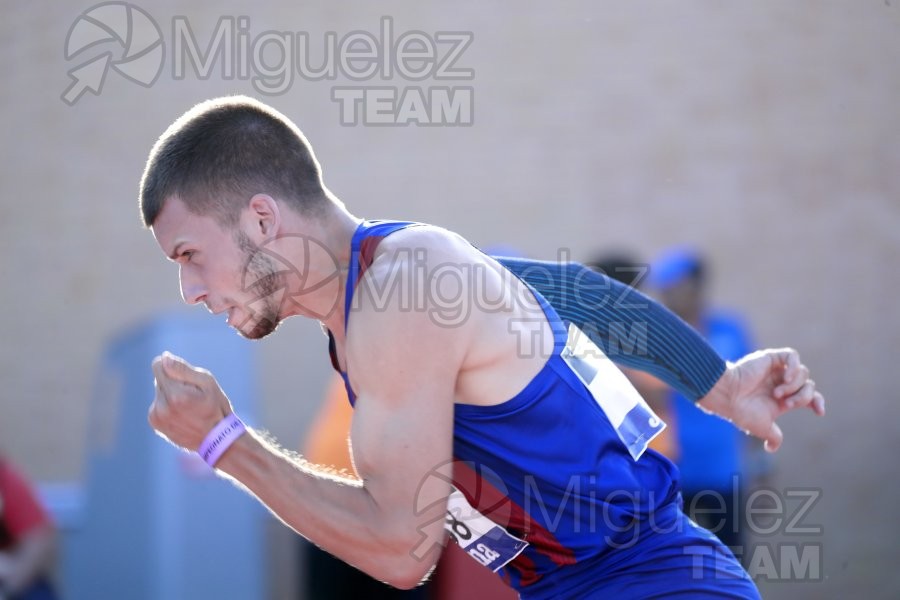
{"points": [[481, 538], [630, 415]]}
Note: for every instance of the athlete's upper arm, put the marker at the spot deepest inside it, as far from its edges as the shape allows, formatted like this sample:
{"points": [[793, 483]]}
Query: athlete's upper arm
{"points": [[404, 366]]}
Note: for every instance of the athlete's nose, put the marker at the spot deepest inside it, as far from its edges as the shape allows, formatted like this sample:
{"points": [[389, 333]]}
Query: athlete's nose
{"points": [[192, 289]]}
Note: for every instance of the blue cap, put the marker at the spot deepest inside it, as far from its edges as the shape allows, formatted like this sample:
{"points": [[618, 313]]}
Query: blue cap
{"points": [[674, 266]]}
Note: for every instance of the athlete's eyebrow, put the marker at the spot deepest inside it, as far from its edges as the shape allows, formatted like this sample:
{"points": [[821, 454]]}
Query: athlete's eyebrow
{"points": [[176, 251]]}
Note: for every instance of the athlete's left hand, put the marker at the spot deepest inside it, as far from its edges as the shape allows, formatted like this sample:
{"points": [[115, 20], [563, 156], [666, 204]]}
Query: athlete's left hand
{"points": [[761, 387]]}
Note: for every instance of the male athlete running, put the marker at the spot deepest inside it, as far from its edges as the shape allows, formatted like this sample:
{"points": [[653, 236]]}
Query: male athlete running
{"points": [[479, 410]]}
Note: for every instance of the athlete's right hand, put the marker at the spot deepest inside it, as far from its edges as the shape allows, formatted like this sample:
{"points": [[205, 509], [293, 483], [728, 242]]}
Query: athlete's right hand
{"points": [[188, 402]]}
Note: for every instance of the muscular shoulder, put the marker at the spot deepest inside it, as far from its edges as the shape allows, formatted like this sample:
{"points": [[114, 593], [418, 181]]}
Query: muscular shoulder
{"points": [[408, 318], [435, 244], [426, 271]]}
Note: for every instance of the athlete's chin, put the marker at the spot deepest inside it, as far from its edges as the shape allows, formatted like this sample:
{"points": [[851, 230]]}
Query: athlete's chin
{"points": [[258, 330], [261, 329]]}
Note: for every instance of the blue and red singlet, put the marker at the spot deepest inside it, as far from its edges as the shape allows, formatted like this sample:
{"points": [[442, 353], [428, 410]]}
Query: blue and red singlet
{"points": [[572, 510]]}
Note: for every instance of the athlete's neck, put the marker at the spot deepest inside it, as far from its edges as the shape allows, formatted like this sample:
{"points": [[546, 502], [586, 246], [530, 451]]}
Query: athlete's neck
{"points": [[320, 248]]}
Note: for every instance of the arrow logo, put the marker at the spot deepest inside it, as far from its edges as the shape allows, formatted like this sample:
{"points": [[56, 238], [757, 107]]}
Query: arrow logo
{"points": [[87, 76], [130, 42]]}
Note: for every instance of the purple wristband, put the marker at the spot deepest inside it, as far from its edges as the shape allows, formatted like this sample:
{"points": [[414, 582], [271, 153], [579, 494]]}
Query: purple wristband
{"points": [[220, 439]]}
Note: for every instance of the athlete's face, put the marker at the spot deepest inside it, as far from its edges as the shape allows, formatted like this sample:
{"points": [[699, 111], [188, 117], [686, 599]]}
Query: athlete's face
{"points": [[222, 268]]}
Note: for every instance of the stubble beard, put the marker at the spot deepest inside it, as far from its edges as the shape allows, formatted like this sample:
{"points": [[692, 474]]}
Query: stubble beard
{"points": [[265, 280]]}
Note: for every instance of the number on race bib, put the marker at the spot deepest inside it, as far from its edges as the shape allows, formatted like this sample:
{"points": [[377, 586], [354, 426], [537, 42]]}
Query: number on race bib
{"points": [[482, 539], [458, 529]]}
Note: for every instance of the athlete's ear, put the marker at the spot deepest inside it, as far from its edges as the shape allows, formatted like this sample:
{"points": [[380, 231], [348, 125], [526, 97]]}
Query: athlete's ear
{"points": [[262, 217]]}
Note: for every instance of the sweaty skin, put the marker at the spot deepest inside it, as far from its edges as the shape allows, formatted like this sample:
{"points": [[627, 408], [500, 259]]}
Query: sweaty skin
{"points": [[408, 369]]}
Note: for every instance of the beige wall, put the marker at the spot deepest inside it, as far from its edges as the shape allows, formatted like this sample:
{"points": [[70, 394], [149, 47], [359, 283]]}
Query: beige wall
{"points": [[765, 132]]}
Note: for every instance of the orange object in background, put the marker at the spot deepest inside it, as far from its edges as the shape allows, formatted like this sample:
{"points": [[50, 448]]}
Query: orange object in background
{"points": [[656, 393], [326, 444], [457, 576]]}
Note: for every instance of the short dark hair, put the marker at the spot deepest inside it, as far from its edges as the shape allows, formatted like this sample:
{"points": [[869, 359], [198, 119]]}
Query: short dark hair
{"points": [[220, 153], [621, 266]]}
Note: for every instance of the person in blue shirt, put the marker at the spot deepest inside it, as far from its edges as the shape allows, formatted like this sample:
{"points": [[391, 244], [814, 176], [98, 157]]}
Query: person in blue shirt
{"points": [[710, 450]]}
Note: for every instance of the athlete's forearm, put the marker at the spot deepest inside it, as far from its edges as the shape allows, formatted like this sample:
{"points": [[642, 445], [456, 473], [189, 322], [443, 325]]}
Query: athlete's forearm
{"points": [[720, 397], [631, 328], [334, 512]]}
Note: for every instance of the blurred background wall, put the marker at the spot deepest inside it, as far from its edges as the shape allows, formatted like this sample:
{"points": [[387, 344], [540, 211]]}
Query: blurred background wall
{"points": [[765, 133]]}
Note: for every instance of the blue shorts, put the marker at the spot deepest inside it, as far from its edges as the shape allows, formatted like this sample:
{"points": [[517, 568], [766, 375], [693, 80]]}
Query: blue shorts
{"points": [[679, 560]]}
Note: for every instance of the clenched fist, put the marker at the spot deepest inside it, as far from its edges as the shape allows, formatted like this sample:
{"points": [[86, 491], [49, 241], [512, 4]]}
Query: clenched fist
{"points": [[188, 402]]}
